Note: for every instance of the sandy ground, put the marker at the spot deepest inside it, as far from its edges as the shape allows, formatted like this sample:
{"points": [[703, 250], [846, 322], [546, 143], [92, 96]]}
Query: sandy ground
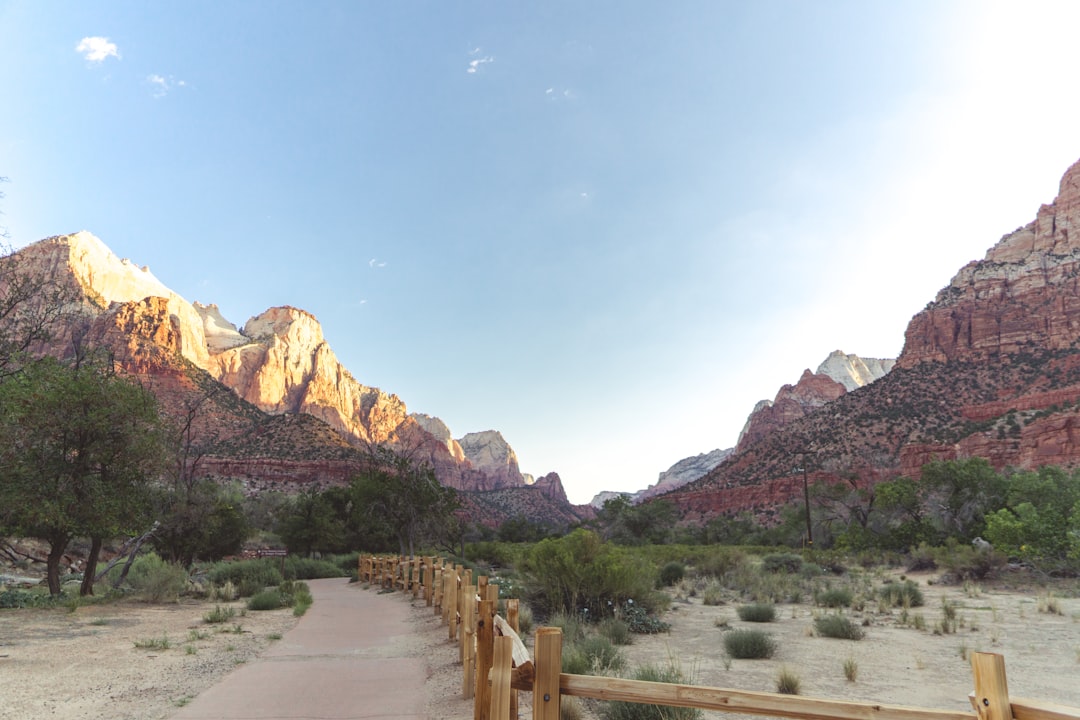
{"points": [[84, 664]]}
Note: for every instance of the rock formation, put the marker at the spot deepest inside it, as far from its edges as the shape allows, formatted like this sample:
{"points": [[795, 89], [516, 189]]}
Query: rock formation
{"points": [[685, 471], [852, 371], [489, 452], [990, 368]]}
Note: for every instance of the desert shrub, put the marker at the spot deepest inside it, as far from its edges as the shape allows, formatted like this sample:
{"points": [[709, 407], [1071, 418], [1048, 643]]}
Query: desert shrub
{"points": [[593, 655], [781, 562], [19, 598], [155, 579], [921, 558], [266, 600], [672, 573], [749, 644], [616, 630], [249, 576], [837, 626], [713, 594], [834, 597], [638, 711], [301, 568], [964, 562], [720, 561], [757, 612], [903, 594], [640, 621], [809, 571], [787, 682], [219, 615], [525, 620], [572, 626]]}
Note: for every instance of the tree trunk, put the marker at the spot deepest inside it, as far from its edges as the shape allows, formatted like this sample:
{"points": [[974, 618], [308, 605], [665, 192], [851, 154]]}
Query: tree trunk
{"points": [[57, 546], [87, 587]]}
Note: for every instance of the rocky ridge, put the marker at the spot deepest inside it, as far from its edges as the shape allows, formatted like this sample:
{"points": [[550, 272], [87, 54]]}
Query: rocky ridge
{"points": [[279, 363], [991, 367]]}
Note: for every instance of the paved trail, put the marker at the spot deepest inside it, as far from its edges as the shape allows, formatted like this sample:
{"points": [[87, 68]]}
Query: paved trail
{"points": [[348, 657]]}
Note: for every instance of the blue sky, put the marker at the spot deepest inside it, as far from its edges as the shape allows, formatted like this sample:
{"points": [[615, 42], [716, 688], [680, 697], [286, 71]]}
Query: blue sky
{"points": [[605, 229]]}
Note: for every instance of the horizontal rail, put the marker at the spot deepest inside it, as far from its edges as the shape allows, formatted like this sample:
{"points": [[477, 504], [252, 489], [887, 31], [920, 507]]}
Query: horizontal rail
{"points": [[754, 703], [1025, 709]]}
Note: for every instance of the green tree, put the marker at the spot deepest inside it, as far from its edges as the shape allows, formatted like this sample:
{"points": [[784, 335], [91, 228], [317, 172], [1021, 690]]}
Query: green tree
{"points": [[959, 493], [1040, 517], [628, 524], [311, 524], [80, 447], [404, 498]]}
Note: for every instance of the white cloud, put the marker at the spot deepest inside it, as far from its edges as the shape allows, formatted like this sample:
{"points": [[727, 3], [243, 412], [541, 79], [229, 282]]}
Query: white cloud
{"points": [[97, 49], [478, 61], [375, 263], [161, 85]]}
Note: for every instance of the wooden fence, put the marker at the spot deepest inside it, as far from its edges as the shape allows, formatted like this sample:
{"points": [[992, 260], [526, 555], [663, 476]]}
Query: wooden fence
{"points": [[496, 664]]}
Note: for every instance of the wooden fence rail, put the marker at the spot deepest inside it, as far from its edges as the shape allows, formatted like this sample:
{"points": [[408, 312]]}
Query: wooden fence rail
{"points": [[496, 664]]}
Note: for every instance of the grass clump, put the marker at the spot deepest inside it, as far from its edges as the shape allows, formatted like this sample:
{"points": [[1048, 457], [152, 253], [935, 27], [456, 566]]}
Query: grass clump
{"points": [[219, 615], [835, 597], [757, 612], [161, 643], [787, 682], [905, 594], [837, 626], [614, 629], [749, 644], [851, 669], [266, 600], [637, 711], [782, 562], [248, 576], [595, 655], [713, 594]]}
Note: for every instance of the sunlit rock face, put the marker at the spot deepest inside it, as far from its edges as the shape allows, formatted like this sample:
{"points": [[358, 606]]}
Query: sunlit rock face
{"points": [[489, 452], [439, 430], [852, 371]]}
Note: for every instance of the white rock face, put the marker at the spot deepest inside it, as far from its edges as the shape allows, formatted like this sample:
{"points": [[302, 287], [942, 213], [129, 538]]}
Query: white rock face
{"points": [[758, 407], [220, 334], [852, 371], [489, 451], [439, 430], [685, 471], [602, 497]]}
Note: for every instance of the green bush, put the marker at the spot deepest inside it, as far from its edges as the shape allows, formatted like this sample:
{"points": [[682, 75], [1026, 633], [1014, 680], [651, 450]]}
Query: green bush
{"points": [[591, 656], [641, 622], [782, 562], [749, 644], [672, 573], [156, 580], [834, 597], [300, 568], [266, 600], [19, 598], [757, 612], [720, 561], [637, 711], [249, 576], [615, 630], [580, 572], [906, 594], [219, 615], [837, 626]]}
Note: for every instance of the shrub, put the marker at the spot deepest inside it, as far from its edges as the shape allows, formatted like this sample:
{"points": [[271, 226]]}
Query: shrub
{"points": [[749, 644], [637, 711], [156, 580], [672, 573], [837, 626], [787, 682], [615, 630], [18, 598], [781, 562], [219, 614], [834, 597], [266, 600], [905, 594], [525, 619], [249, 576], [591, 656], [851, 669], [713, 594], [720, 562], [757, 612], [300, 568], [640, 621]]}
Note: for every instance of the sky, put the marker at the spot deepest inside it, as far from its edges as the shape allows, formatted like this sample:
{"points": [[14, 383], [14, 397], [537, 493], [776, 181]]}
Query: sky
{"points": [[605, 229]]}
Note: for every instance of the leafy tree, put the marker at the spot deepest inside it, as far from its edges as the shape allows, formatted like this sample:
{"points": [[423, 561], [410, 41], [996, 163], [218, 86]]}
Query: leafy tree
{"points": [[312, 524], [959, 493], [1041, 517], [80, 447], [627, 524], [30, 306], [403, 498]]}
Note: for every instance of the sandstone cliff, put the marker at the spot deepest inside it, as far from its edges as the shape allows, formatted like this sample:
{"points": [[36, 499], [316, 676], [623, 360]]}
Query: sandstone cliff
{"points": [[990, 368], [489, 452], [852, 371]]}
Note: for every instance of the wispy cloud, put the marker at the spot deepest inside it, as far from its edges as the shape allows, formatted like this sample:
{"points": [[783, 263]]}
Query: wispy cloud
{"points": [[555, 94], [161, 85], [97, 49], [376, 263], [478, 60]]}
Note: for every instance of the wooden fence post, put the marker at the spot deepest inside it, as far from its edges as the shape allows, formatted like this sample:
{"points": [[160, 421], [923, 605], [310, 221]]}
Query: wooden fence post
{"points": [[512, 609], [548, 650], [468, 645], [485, 649], [502, 659], [991, 689], [429, 580]]}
